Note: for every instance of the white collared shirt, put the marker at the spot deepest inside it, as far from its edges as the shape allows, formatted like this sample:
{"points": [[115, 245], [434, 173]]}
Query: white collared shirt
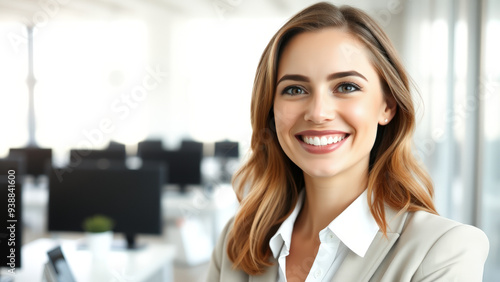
{"points": [[354, 229]]}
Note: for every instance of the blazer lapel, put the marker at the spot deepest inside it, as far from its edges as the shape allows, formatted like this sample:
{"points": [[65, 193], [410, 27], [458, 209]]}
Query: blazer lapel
{"points": [[270, 275], [356, 268]]}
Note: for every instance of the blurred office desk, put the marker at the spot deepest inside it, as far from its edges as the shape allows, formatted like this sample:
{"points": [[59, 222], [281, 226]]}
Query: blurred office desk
{"points": [[219, 204], [151, 263], [195, 220]]}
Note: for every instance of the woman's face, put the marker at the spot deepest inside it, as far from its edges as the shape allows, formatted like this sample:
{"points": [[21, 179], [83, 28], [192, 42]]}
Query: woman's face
{"points": [[328, 103]]}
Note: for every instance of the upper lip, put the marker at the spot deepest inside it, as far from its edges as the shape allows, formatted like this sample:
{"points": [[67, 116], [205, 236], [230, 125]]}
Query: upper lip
{"points": [[320, 133]]}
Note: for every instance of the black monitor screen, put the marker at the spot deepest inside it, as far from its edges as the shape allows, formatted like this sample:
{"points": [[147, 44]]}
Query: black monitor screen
{"points": [[12, 163], [183, 167], [226, 149], [36, 159], [132, 198]]}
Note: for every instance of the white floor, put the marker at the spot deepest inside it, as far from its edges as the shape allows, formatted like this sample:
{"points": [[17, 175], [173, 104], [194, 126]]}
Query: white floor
{"points": [[190, 273]]}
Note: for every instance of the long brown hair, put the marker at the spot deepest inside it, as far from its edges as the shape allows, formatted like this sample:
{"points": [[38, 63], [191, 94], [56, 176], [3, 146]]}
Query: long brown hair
{"points": [[268, 184]]}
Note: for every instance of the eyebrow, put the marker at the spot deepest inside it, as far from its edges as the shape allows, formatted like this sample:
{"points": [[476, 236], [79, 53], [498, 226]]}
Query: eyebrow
{"points": [[298, 77]]}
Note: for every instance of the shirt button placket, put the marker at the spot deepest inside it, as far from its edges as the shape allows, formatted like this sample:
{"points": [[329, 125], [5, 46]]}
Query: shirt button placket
{"points": [[317, 273]]}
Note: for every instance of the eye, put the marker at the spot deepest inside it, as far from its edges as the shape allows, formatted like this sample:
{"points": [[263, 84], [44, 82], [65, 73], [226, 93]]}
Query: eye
{"points": [[347, 87], [294, 90]]}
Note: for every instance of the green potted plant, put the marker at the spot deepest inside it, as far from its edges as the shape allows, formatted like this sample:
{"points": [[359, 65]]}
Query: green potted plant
{"points": [[99, 229], [98, 223]]}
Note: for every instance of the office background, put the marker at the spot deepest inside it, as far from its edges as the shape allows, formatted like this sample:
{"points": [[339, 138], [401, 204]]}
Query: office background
{"points": [[126, 71]]}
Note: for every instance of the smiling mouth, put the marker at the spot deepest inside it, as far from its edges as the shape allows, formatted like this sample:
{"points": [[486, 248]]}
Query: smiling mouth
{"points": [[322, 140]]}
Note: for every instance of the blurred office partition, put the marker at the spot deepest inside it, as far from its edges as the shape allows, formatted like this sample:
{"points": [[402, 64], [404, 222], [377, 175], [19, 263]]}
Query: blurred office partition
{"points": [[451, 50]]}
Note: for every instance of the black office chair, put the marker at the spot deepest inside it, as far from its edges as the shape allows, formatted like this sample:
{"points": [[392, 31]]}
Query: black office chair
{"points": [[225, 151], [95, 155], [149, 146], [36, 159], [115, 146], [193, 146]]}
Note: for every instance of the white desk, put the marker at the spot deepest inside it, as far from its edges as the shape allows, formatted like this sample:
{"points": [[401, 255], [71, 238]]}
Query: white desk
{"points": [[215, 208], [152, 263]]}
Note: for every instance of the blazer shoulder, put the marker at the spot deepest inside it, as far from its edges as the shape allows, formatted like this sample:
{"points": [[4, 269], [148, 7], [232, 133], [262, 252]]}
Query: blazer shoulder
{"points": [[426, 229], [449, 249], [430, 225], [221, 267]]}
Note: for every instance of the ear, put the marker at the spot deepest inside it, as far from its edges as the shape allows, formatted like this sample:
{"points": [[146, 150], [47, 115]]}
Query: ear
{"points": [[389, 109]]}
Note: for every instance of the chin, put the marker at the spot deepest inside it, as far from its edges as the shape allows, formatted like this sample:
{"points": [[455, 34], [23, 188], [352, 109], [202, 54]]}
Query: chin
{"points": [[322, 172]]}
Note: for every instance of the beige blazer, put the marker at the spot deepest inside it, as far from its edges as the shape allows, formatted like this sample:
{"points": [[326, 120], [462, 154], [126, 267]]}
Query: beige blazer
{"points": [[419, 247]]}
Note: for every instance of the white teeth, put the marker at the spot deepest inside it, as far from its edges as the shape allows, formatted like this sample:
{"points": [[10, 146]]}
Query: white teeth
{"points": [[323, 140]]}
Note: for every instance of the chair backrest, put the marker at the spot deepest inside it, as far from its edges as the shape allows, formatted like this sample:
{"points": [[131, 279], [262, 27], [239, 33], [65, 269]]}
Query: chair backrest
{"points": [[189, 145], [149, 146], [36, 159]]}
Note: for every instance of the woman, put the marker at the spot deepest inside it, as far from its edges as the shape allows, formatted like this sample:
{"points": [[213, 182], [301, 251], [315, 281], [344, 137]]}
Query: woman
{"points": [[331, 190]]}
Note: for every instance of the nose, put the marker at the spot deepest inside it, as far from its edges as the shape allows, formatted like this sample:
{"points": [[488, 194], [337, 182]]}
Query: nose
{"points": [[320, 108]]}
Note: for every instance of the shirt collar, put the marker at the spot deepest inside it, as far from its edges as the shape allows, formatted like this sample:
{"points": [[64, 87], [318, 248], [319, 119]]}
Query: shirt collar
{"points": [[357, 237], [355, 226]]}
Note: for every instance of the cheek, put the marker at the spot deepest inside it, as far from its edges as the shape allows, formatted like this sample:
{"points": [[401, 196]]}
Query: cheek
{"points": [[285, 116], [362, 116]]}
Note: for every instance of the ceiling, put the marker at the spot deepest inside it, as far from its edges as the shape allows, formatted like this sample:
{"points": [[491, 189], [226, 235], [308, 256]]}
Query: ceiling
{"points": [[40, 11]]}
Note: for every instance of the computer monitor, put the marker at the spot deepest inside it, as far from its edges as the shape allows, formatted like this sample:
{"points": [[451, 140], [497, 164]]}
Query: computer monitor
{"points": [[132, 198], [12, 163], [11, 218], [225, 152], [36, 159], [227, 149], [182, 167], [76, 155]]}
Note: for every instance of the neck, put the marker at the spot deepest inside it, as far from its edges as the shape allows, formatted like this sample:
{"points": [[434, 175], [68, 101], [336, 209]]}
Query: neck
{"points": [[326, 198]]}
